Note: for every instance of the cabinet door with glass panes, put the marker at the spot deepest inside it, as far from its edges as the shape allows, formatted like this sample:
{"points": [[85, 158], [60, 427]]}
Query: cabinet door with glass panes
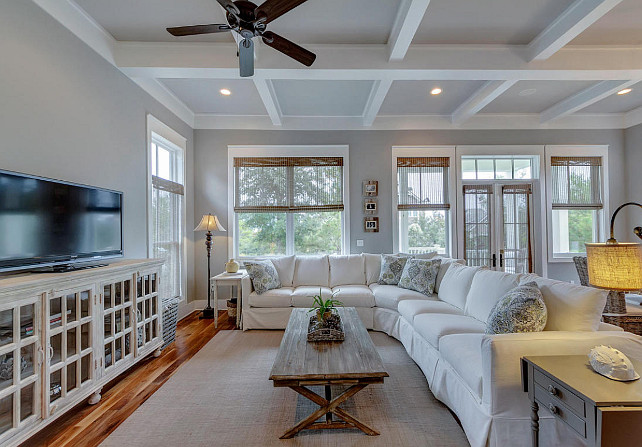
{"points": [[20, 366], [148, 320], [69, 334], [117, 302]]}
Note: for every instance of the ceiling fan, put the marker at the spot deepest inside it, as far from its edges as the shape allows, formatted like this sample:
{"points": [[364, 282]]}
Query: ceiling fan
{"points": [[249, 20]]}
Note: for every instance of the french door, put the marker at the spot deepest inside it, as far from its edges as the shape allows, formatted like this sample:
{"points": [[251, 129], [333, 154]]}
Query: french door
{"points": [[498, 221]]}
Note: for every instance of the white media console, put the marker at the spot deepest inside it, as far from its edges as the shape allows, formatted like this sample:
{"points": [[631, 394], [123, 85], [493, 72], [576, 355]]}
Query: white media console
{"points": [[65, 335]]}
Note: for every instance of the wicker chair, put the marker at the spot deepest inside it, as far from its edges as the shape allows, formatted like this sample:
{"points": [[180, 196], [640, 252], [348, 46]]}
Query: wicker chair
{"points": [[615, 302]]}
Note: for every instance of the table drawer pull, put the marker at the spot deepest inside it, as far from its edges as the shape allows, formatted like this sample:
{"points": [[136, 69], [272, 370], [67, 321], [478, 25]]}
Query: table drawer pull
{"points": [[560, 392], [552, 408], [552, 390]]}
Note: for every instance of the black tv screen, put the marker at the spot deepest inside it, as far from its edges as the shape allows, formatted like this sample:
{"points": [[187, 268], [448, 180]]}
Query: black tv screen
{"points": [[45, 222]]}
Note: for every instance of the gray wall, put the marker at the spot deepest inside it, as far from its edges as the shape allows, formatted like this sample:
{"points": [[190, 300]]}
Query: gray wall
{"points": [[68, 114], [371, 158], [633, 174]]}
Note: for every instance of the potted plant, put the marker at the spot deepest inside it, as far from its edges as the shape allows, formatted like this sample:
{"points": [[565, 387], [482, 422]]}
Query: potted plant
{"points": [[325, 325], [323, 307]]}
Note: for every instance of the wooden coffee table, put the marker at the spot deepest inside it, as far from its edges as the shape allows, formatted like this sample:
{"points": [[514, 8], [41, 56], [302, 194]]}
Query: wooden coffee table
{"points": [[353, 362]]}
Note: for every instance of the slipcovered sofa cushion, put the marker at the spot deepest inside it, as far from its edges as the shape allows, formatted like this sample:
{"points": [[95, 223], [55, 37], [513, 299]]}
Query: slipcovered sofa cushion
{"points": [[354, 295], [348, 269], [420, 275], [373, 267], [390, 296], [284, 266], [411, 308], [302, 295], [487, 288], [445, 263], [311, 271], [272, 298], [263, 275], [391, 269], [463, 353], [434, 326], [570, 307], [522, 309], [456, 284]]}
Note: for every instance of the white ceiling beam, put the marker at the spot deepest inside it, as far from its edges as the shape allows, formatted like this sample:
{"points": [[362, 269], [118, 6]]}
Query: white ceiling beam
{"points": [[409, 17], [375, 100], [577, 18], [583, 99], [369, 62], [633, 118], [270, 100], [480, 99]]}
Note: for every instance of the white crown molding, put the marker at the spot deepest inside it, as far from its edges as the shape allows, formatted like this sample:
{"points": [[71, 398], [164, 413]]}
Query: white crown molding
{"points": [[166, 97], [633, 118]]}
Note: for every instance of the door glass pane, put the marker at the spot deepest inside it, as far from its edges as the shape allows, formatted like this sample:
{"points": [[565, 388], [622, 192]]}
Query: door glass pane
{"points": [[517, 250], [523, 169], [6, 413], [127, 311], [55, 385], [85, 365], [107, 297], [485, 169], [147, 309], [154, 306], [127, 291], [55, 312], [154, 329], [468, 169], [56, 345], [146, 282], [6, 327], [477, 225], [118, 350], [27, 358], [85, 303], [108, 332], [27, 319], [108, 356], [503, 169], [71, 307], [6, 370], [71, 376], [27, 401], [118, 294], [154, 283], [139, 287], [118, 323], [85, 336], [71, 342], [128, 340]]}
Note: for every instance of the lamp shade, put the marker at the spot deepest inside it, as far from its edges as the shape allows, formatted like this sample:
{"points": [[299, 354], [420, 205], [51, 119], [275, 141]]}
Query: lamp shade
{"points": [[615, 266], [209, 223]]}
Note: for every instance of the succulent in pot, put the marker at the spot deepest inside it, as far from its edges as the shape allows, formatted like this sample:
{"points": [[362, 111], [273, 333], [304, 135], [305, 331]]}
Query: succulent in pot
{"points": [[323, 307]]}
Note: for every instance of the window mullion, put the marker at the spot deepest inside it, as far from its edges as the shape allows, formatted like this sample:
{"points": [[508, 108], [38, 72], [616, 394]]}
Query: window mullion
{"points": [[289, 217]]}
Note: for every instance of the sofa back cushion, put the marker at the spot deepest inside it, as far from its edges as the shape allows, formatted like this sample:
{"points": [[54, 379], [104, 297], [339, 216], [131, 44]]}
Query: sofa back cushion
{"points": [[456, 283], [347, 270], [570, 307], [487, 288], [311, 271], [445, 263], [284, 265], [373, 267]]}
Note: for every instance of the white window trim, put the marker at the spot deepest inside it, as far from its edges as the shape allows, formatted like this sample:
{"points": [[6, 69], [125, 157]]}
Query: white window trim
{"points": [[234, 151], [426, 151], [162, 130], [603, 216]]}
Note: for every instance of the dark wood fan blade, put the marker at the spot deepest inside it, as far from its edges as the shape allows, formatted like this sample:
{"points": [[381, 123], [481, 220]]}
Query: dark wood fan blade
{"points": [[273, 9], [289, 48], [229, 6], [198, 29]]}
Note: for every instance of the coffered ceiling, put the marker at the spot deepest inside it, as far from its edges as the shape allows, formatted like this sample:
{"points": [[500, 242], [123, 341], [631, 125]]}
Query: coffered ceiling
{"points": [[499, 63]]}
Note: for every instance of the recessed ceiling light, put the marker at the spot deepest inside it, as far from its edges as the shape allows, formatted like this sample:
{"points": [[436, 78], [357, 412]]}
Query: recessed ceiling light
{"points": [[528, 92], [625, 91], [225, 92], [436, 91]]}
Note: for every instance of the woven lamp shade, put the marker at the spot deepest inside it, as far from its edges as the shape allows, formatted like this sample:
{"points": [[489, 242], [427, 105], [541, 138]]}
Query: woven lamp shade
{"points": [[615, 266]]}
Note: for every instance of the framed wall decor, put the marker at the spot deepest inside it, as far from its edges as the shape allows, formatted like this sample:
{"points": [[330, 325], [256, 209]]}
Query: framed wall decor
{"points": [[370, 206], [370, 188], [371, 224]]}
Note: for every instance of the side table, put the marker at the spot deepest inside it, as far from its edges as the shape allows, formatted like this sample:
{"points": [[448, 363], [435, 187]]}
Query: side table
{"points": [[601, 411], [228, 279], [631, 321]]}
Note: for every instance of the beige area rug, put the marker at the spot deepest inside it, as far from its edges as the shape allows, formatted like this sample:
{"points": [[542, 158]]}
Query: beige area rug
{"points": [[222, 397]]}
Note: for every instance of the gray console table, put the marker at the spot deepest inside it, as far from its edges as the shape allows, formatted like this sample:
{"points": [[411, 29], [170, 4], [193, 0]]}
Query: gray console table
{"points": [[602, 411]]}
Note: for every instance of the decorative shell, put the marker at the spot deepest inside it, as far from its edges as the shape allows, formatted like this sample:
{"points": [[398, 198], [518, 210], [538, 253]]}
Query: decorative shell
{"points": [[612, 363]]}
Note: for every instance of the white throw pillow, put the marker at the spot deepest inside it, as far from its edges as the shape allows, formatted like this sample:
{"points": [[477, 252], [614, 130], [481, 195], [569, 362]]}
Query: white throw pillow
{"points": [[570, 307], [311, 271], [284, 265], [487, 288], [373, 267], [346, 270], [445, 263], [456, 283]]}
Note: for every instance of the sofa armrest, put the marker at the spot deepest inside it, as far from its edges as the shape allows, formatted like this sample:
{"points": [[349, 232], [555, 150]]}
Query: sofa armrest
{"points": [[609, 327], [501, 381], [246, 289]]}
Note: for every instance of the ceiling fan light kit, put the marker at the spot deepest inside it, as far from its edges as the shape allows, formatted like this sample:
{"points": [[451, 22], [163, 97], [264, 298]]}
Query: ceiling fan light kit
{"points": [[249, 21]]}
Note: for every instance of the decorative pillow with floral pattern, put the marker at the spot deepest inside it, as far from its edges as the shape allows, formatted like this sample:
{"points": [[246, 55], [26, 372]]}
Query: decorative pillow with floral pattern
{"points": [[420, 275], [391, 269], [263, 275], [522, 309]]}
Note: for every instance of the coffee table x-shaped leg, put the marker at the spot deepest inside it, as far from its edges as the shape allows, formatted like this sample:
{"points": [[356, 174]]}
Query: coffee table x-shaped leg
{"points": [[329, 407]]}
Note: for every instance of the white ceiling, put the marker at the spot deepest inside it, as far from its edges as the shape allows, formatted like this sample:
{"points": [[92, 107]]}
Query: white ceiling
{"points": [[378, 59]]}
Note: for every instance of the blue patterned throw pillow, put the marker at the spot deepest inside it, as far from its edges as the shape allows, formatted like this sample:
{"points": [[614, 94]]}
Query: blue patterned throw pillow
{"points": [[420, 275], [391, 269], [263, 275], [522, 309]]}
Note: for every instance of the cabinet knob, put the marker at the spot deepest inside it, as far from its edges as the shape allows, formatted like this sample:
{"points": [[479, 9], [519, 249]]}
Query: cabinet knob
{"points": [[552, 390], [552, 408]]}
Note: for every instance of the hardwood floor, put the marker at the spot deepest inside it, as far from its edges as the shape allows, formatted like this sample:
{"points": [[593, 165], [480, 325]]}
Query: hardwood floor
{"points": [[88, 425]]}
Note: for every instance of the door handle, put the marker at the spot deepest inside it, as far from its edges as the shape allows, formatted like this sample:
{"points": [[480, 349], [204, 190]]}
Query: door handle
{"points": [[501, 259], [494, 260]]}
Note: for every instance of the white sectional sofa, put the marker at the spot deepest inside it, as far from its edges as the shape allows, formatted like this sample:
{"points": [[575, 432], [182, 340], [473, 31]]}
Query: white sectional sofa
{"points": [[476, 375]]}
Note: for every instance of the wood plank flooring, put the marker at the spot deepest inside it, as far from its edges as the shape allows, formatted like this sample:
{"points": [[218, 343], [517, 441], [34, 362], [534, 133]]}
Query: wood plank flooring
{"points": [[88, 425]]}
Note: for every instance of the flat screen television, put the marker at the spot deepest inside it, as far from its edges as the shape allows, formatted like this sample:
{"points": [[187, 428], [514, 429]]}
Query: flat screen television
{"points": [[51, 223]]}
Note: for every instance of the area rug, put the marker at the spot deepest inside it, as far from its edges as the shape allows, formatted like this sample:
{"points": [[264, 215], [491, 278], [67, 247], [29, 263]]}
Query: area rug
{"points": [[222, 397]]}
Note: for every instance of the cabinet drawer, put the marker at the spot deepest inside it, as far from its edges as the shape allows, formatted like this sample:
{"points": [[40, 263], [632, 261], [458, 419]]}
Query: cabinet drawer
{"points": [[561, 411], [562, 393]]}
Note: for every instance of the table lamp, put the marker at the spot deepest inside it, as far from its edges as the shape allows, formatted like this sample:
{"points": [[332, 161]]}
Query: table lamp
{"points": [[209, 223], [616, 265]]}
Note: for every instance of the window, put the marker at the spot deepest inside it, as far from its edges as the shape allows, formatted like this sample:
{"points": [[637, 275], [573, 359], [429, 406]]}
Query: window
{"points": [[288, 205], [576, 199], [497, 168], [423, 206], [167, 213]]}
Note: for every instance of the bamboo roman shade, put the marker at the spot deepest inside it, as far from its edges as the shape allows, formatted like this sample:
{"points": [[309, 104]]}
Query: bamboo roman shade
{"points": [[423, 183], [288, 184], [576, 182], [168, 185]]}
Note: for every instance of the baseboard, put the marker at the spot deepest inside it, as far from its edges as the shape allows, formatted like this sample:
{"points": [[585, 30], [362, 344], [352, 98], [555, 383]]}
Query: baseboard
{"points": [[188, 308]]}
